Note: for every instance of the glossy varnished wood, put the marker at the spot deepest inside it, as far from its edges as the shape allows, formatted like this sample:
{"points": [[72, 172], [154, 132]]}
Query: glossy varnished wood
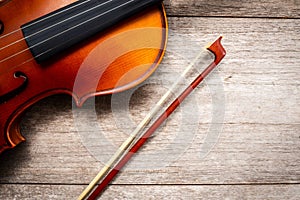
{"points": [[111, 61]]}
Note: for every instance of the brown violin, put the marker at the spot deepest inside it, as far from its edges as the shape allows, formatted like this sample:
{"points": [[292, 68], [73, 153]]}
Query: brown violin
{"points": [[81, 48]]}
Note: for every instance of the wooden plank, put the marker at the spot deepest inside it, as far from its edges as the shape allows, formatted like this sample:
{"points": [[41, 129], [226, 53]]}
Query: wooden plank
{"points": [[234, 8], [244, 153], [259, 143], [260, 138], [155, 192]]}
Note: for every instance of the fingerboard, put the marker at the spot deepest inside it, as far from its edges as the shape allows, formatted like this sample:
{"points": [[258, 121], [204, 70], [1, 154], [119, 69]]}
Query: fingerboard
{"points": [[57, 31]]}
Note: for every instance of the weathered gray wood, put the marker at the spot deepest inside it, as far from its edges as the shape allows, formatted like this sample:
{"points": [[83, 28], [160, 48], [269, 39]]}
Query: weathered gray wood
{"points": [[155, 192], [259, 142], [247, 153], [234, 8], [260, 138]]}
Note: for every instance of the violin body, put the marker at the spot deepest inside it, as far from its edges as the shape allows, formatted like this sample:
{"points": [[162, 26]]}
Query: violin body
{"points": [[110, 61]]}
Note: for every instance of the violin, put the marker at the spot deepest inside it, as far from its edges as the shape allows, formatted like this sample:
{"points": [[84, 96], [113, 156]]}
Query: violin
{"points": [[82, 48]]}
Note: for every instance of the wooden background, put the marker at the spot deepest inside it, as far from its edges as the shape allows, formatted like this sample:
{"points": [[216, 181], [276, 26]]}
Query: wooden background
{"points": [[257, 152]]}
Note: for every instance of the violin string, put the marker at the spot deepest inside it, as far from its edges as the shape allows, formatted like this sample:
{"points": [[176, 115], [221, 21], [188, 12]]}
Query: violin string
{"points": [[44, 18], [24, 50], [26, 61], [27, 49], [40, 31]]}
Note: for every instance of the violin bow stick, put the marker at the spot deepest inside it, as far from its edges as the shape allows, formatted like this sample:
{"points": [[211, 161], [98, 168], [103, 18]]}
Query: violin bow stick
{"points": [[138, 137]]}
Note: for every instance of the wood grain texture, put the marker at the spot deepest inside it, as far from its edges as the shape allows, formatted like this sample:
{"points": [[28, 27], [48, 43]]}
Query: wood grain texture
{"points": [[273, 192], [234, 8], [256, 155]]}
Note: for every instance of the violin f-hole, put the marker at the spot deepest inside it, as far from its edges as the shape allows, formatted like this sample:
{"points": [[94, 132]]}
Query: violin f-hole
{"points": [[19, 81], [1, 27]]}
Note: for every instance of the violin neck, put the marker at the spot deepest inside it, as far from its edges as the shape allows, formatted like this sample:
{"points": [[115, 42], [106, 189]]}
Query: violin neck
{"points": [[63, 28]]}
